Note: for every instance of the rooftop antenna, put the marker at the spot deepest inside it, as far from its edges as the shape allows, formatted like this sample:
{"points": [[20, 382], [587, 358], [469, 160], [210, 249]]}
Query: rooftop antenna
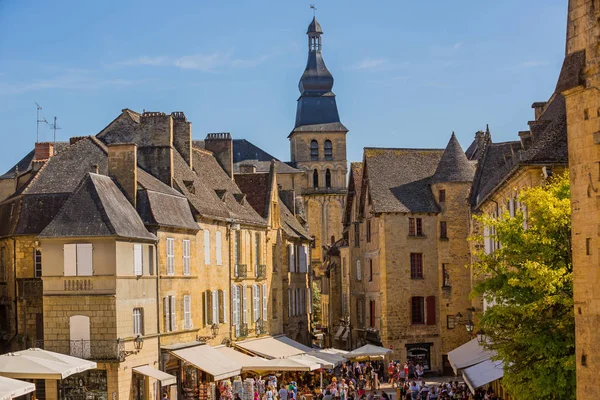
{"points": [[54, 127], [314, 10], [37, 132]]}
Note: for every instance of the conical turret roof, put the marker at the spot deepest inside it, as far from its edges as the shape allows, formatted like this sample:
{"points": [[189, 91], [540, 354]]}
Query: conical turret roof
{"points": [[314, 27], [454, 165]]}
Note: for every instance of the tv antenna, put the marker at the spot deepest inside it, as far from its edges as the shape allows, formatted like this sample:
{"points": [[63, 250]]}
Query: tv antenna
{"points": [[54, 127], [314, 10], [37, 132]]}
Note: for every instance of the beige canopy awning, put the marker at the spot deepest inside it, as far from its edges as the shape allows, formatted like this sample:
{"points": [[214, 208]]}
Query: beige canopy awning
{"points": [[311, 361], [209, 360], [367, 351], [273, 347], [468, 354], [41, 364], [12, 388], [483, 373], [164, 378], [332, 358], [258, 364]]}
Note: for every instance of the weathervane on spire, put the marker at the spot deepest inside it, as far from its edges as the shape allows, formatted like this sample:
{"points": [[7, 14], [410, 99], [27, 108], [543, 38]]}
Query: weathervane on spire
{"points": [[314, 10]]}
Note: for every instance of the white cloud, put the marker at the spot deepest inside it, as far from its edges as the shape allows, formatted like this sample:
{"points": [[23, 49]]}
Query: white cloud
{"points": [[370, 64], [457, 45]]}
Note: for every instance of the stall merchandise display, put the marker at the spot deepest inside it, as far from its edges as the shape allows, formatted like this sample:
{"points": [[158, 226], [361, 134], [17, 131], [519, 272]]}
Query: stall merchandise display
{"points": [[212, 391], [248, 389], [226, 390], [238, 387], [261, 386]]}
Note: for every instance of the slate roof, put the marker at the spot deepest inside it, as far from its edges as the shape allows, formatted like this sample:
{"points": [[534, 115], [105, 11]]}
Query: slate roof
{"points": [[265, 166], [97, 208], [354, 188], [571, 73], [25, 163], [245, 150], [399, 179], [314, 26], [290, 225], [454, 165], [257, 188]]}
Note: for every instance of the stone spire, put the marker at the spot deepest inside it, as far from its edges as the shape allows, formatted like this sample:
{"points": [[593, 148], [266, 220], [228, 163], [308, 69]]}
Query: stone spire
{"points": [[316, 105], [454, 165]]}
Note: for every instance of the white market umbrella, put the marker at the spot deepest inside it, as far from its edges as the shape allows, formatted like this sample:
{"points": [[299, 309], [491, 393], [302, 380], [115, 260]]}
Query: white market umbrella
{"points": [[11, 388], [367, 351], [41, 364]]}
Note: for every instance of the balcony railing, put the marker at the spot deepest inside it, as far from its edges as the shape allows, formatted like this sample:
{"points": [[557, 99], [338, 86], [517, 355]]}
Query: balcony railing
{"points": [[86, 284], [241, 271], [100, 350], [261, 272]]}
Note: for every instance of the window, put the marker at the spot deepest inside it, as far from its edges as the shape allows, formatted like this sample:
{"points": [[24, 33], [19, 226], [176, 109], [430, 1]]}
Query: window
{"points": [[78, 259], [186, 257], [303, 259], [315, 179], [255, 303], [265, 301], [445, 276], [358, 271], [372, 313], [368, 231], [235, 301], [328, 179], [417, 310], [237, 252], [443, 230], [170, 256], [292, 258], [214, 303], [151, 259], [415, 227], [219, 247], [431, 310], [450, 322], [138, 321], [79, 336], [274, 306], [137, 260], [244, 304], [2, 264], [187, 312], [370, 270], [169, 312], [442, 196], [416, 265], [588, 246], [356, 235], [222, 294], [275, 258], [328, 150], [256, 253], [360, 311], [37, 262], [314, 150], [206, 247]]}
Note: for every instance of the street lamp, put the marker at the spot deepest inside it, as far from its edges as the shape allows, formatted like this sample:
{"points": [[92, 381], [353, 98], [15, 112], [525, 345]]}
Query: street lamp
{"points": [[214, 329], [138, 343], [481, 339], [470, 326]]}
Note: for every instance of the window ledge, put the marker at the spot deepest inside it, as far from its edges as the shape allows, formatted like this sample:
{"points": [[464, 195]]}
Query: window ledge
{"points": [[417, 236], [418, 278]]}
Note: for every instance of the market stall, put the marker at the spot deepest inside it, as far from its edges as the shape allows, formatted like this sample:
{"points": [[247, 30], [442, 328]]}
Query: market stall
{"points": [[13, 388]]}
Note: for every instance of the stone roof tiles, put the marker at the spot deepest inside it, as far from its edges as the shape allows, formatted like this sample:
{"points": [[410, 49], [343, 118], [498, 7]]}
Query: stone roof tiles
{"points": [[454, 165]]}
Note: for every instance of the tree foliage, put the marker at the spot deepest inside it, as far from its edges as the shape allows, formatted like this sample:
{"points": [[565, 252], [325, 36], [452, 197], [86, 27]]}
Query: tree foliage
{"points": [[316, 302], [529, 279]]}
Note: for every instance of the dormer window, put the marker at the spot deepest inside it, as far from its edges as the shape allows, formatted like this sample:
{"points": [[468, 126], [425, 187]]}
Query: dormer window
{"points": [[328, 150], [314, 150]]}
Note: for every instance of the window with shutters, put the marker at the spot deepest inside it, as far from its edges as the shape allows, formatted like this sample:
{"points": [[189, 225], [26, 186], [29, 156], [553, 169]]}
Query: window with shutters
{"points": [[372, 313], [303, 258], [235, 303], [169, 314], [356, 234], [416, 265], [445, 276], [170, 256], [292, 258], [358, 271], [214, 307], [431, 308], [255, 303], [256, 253], [219, 247], [207, 300], [137, 260], [244, 304], [186, 257], [187, 312], [138, 321], [237, 253], [78, 259], [206, 247], [37, 262], [417, 310], [265, 301], [442, 196], [443, 230]]}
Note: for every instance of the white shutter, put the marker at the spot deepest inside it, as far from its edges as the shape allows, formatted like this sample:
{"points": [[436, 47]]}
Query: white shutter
{"points": [[84, 259], [137, 260], [215, 306], [358, 271], [289, 302], [264, 301], [486, 240], [306, 258], [291, 258], [70, 259], [236, 306], [206, 314], [167, 315], [173, 317], [225, 301], [255, 303], [186, 257], [187, 310], [301, 258], [219, 248], [206, 247], [245, 304], [511, 207], [170, 256], [309, 294]]}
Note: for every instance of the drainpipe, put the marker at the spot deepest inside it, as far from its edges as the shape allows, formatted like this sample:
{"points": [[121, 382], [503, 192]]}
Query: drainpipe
{"points": [[16, 287], [158, 303]]}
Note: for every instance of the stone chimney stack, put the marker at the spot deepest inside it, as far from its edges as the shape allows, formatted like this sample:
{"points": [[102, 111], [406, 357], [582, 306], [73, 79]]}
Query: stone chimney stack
{"points": [[289, 199], [538, 108], [182, 136], [155, 155], [221, 145], [43, 151], [122, 167], [248, 169]]}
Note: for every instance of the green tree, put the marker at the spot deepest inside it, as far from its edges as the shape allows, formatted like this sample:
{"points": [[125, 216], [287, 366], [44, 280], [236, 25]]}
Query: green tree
{"points": [[529, 278], [316, 302]]}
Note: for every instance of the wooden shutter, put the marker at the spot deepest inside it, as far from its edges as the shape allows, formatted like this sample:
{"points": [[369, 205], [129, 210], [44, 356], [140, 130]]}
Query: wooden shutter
{"points": [[291, 261], [431, 310], [264, 301], [215, 307], [173, 316], [84, 259], [219, 248], [358, 271], [289, 302], [206, 247], [70, 260], [187, 312], [137, 259], [170, 256], [186, 257], [245, 304], [225, 301], [206, 314], [511, 207], [167, 314], [236, 305], [309, 295]]}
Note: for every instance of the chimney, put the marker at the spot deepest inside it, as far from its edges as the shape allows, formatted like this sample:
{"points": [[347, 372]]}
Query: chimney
{"points": [[221, 145], [526, 139], [182, 136], [157, 128], [43, 151], [289, 199], [538, 108], [248, 169], [155, 155], [479, 138], [122, 167]]}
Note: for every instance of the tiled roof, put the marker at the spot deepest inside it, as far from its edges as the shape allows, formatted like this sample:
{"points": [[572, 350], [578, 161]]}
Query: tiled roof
{"points": [[571, 73], [245, 150], [97, 208], [354, 188], [328, 127], [454, 165], [265, 166], [398, 179], [290, 225], [25, 163], [257, 188]]}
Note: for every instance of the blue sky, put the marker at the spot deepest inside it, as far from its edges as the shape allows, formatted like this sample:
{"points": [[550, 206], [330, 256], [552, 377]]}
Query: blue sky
{"points": [[407, 74]]}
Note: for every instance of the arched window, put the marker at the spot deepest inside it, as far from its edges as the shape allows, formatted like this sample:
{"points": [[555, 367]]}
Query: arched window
{"points": [[315, 179], [314, 150], [328, 150], [328, 179]]}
